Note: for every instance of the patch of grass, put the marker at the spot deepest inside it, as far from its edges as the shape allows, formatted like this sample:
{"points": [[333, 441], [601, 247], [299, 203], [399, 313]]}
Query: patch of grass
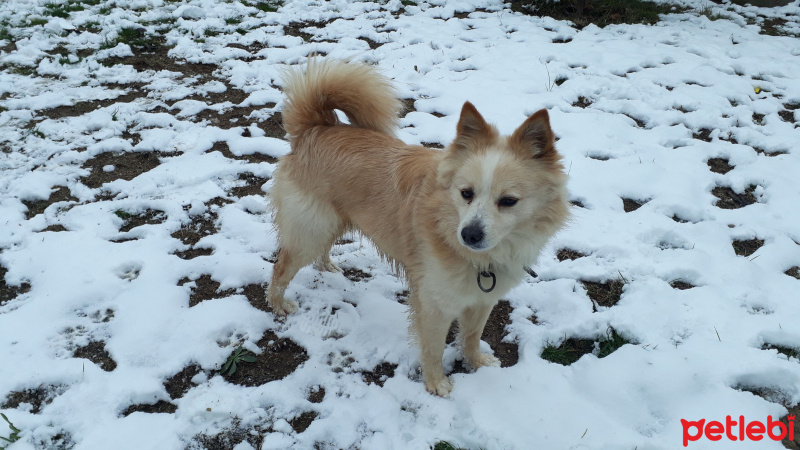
{"points": [[788, 351], [238, 356], [572, 349], [14, 436], [62, 10], [408, 3], [233, 20], [598, 12], [270, 6], [5, 35], [211, 32], [124, 215], [37, 21]]}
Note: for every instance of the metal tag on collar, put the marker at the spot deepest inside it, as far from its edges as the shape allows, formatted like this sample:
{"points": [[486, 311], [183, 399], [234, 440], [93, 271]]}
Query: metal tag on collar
{"points": [[487, 274]]}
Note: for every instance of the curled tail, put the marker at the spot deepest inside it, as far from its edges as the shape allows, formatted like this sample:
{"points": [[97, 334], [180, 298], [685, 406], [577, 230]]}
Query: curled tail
{"points": [[364, 95]]}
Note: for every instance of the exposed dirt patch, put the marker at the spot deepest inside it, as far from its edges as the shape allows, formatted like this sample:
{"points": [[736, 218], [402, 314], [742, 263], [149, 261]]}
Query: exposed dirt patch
{"points": [[36, 397], [127, 166], [36, 207], [793, 272], [432, 145], [408, 106], [678, 219], [569, 254], [10, 292], [356, 275], [156, 58], [303, 421], [55, 228], [202, 225], [229, 438], [379, 374], [577, 203], [372, 44], [630, 205], [254, 158], [238, 116], [703, 134], [96, 352], [279, 358], [148, 217], [194, 253], [495, 331], [681, 285], [257, 296], [402, 296], [747, 247], [180, 383], [205, 289], [794, 411], [604, 294], [317, 394], [296, 29], [787, 116], [252, 185], [719, 165], [81, 108], [160, 407], [583, 102], [729, 199], [769, 153], [758, 119]]}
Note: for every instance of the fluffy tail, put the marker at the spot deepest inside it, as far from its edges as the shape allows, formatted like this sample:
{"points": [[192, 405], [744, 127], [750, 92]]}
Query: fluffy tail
{"points": [[364, 95]]}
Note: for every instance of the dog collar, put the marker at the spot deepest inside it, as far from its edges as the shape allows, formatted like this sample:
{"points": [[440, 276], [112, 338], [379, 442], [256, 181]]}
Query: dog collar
{"points": [[490, 274]]}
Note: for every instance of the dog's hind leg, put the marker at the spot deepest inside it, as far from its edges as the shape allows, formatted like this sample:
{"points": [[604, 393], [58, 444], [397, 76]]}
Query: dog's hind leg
{"points": [[307, 228], [324, 263]]}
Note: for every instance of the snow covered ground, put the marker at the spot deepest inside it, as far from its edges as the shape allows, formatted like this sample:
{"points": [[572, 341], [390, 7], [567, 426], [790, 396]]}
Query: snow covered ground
{"points": [[138, 138]]}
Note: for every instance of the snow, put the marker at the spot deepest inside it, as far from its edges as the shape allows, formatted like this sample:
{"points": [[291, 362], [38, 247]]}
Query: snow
{"points": [[651, 89]]}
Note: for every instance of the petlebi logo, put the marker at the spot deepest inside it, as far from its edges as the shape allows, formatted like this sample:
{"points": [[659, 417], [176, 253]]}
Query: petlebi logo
{"points": [[737, 430]]}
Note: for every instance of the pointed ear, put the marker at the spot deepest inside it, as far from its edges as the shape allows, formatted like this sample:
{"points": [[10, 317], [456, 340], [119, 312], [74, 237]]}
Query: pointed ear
{"points": [[472, 129], [534, 138]]}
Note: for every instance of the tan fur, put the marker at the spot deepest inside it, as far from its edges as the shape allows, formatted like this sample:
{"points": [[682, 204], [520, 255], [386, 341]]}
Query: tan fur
{"points": [[408, 201]]}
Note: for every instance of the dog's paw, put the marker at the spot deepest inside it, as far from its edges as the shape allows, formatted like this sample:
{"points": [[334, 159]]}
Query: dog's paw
{"points": [[326, 265], [440, 387], [283, 307], [484, 359]]}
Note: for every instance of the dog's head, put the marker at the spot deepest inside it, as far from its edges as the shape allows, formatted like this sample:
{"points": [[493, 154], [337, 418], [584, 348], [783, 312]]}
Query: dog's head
{"points": [[506, 189]]}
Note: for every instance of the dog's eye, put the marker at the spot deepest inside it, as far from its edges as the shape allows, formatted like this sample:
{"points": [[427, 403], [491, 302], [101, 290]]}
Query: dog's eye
{"points": [[508, 201], [467, 194]]}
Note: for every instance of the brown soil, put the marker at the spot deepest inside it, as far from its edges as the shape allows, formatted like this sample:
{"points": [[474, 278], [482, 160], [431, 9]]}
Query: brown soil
{"points": [[37, 397], [36, 207], [569, 254], [201, 225], [379, 374], [279, 358], [229, 438], [10, 292], [303, 421], [571, 350], [79, 109], [55, 228], [681, 285], [96, 352], [495, 331], [793, 272], [180, 383], [254, 158], [719, 165], [252, 185], [148, 217], [205, 289], [703, 134], [194, 253], [583, 102], [630, 205], [316, 395], [747, 247], [127, 166], [604, 294], [356, 275], [160, 407], [728, 199]]}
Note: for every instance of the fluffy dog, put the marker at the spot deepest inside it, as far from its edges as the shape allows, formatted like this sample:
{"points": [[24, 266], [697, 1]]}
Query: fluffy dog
{"points": [[461, 225]]}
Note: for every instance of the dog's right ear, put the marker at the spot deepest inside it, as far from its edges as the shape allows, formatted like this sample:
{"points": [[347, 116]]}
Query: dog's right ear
{"points": [[472, 130]]}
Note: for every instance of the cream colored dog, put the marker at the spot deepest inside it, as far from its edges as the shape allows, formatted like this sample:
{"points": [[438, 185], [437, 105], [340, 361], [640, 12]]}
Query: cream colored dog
{"points": [[461, 225]]}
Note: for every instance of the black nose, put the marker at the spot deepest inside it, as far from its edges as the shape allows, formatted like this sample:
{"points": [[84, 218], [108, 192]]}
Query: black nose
{"points": [[472, 234]]}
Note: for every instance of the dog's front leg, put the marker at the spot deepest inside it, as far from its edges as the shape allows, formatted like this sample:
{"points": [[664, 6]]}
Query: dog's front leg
{"points": [[470, 325], [431, 328]]}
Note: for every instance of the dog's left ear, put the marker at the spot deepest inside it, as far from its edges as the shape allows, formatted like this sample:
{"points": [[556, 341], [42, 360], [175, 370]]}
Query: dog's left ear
{"points": [[472, 130], [534, 138]]}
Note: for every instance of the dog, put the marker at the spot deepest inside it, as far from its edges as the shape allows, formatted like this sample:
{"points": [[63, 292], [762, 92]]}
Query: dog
{"points": [[461, 225]]}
